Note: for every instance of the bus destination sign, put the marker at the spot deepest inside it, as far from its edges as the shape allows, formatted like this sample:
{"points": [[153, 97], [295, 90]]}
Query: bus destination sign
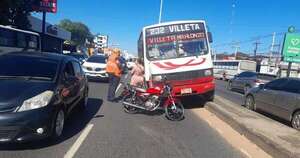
{"points": [[175, 29]]}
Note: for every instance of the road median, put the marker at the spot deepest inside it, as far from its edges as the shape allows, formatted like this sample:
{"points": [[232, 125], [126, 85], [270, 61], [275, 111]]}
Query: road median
{"points": [[275, 138]]}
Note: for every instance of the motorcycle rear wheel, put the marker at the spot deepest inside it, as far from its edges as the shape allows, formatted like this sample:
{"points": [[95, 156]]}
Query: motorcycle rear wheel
{"points": [[175, 112], [129, 109]]}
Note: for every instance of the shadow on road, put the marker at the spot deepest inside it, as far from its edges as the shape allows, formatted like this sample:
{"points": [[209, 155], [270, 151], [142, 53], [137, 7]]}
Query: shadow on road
{"points": [[192, 102], [273, 117], [76, 122]]}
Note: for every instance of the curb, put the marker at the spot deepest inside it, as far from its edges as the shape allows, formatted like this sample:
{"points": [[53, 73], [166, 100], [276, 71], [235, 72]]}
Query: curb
{"points": [[268, 145]]}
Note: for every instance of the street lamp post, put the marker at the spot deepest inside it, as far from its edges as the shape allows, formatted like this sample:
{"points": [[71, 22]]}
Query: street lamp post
{"points": [[160, 11]]}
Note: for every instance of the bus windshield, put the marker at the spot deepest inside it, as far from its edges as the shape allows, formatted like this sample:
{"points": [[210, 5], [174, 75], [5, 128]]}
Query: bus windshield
{"points": [[177, 49], [176, 41]]}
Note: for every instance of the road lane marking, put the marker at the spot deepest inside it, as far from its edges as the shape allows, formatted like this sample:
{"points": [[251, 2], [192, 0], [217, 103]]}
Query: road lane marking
{"points": [[79, 141], [234, 138]]}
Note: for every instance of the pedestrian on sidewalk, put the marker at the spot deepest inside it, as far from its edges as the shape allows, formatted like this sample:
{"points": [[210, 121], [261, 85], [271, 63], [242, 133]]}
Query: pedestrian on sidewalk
{"points": [[114, 74], [137, 74]]}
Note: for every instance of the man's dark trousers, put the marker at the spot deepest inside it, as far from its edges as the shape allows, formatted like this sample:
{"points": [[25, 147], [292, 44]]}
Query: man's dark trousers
{"points": [[113, 84]]}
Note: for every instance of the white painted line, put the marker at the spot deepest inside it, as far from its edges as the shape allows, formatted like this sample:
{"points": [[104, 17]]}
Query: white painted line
{"points": [[79, 141], [119, 86], [245, 152]]}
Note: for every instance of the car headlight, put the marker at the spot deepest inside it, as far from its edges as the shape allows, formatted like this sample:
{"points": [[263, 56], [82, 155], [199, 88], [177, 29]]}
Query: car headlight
{"points": [[208, 72], [157, 78], [36, 102]]}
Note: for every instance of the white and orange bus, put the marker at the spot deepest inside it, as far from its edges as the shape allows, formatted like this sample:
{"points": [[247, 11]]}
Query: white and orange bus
{"points": [[179, 51]]}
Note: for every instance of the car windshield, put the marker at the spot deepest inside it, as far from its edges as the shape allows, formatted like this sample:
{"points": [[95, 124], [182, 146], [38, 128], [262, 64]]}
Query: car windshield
{"points": [[177, 49], [27, 67], [97, 59]]}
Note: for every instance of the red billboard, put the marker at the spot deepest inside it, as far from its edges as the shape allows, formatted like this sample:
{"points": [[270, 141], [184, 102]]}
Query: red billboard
{"points": [[45, 6]]}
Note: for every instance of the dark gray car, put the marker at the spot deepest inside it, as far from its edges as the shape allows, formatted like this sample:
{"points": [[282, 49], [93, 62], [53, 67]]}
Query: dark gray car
{"points": [[247, 80], [279, 97]]}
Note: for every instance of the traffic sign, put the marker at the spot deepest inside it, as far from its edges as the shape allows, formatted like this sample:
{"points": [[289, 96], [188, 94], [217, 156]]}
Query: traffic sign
{"points": [[291, 29], [291, 48]]}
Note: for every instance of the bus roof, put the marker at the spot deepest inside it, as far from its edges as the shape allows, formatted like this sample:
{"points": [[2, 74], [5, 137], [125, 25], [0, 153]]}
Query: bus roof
{"points": [[174, 22], [19, 30]]}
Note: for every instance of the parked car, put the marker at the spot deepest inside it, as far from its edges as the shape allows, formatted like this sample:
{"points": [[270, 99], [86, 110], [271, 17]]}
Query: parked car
{"points": [[81, 57], [279, 97], [95, 66], [247, 80], [37, 93]]}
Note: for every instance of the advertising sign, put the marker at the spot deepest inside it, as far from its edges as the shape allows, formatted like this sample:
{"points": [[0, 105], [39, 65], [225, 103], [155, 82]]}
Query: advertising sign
{"points": [[291, 48], [45, 6]]}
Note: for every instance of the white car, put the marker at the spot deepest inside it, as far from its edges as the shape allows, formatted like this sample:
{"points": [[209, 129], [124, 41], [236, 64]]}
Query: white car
{"points": [[94, 67]]}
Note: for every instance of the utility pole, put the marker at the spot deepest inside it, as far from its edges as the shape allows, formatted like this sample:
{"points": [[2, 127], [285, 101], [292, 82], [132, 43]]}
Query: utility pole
{"points": [[160, 11], [256, 48], [272, 46], [237, 47]]}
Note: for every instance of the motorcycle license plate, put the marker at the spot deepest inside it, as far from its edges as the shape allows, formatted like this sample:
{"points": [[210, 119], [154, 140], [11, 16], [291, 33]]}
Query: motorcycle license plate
{"points": [[186, 90]]}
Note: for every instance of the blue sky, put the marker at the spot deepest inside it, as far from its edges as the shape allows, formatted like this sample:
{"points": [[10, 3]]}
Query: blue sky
{"points": [[122, 20]]}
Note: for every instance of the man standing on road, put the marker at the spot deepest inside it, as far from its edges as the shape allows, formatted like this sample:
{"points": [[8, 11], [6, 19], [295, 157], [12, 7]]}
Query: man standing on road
{"points": [[114, 73]]}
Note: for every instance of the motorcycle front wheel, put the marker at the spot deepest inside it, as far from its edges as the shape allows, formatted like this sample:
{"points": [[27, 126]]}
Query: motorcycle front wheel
{"points": [[129, 109], [175, 112]]}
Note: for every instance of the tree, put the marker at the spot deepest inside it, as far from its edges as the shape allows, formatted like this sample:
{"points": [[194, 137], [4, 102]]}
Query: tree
{"points": [[79, 31], [15, 13]]}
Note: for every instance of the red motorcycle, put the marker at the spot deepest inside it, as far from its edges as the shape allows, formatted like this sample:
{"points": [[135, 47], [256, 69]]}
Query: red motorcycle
{"points": [[151, 99]]}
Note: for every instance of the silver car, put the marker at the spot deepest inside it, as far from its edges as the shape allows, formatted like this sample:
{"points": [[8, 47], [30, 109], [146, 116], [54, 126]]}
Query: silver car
{"points": [[279, 97], [247, 80]]}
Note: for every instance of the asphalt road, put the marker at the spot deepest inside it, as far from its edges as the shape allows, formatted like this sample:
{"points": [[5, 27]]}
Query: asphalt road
{"points": [[114, 133], [232, 96]]}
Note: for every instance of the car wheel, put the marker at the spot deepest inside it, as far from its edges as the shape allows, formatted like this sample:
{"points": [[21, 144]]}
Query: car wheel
{"points": [[59, 123], [296, 121], [250, 103]]}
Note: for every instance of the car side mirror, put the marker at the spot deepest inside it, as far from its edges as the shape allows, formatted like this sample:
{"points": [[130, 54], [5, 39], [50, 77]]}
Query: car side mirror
{"points": [[210, 39]]}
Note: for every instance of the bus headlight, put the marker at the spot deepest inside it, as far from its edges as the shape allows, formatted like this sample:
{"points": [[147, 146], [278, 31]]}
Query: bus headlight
{"points": [[208, 72]]}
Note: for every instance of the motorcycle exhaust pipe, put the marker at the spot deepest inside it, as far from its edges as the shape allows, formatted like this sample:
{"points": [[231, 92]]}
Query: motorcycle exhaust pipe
{"points": [[133, 105]]}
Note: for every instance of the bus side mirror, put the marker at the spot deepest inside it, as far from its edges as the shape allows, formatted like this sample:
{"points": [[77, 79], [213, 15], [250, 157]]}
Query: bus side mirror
{"points": [[210, 39]]}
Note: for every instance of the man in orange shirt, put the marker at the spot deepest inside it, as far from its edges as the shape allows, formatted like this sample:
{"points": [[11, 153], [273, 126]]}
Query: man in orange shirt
{"points": [[114, 73]]}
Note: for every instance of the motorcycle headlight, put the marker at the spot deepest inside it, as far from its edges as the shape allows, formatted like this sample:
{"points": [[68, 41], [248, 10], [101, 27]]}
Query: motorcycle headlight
{"points": [[208, 72], [157, 78], [36, 102]]}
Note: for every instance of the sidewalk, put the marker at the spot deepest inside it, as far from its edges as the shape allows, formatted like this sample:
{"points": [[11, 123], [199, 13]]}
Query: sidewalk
{"points": [[275, 138]]}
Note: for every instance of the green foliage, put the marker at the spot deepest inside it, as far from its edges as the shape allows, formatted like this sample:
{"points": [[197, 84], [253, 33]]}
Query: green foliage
{"points": [[80, 32], [15, 13]]}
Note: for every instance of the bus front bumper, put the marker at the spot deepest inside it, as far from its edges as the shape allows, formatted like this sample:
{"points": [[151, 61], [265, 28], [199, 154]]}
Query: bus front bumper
{"points": [[194, 89]]}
